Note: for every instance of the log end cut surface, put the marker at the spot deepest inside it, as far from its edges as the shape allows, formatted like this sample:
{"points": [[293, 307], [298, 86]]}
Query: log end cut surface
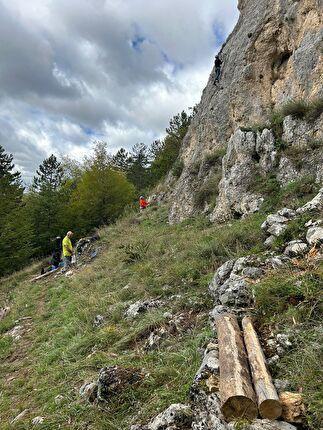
{"points": [[239, 407], [270, 409], [293, 407]]}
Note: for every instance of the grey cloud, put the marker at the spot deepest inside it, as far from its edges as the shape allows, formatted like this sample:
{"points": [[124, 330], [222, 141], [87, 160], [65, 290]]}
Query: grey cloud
{"points": [[26, 61], [75, 67]]}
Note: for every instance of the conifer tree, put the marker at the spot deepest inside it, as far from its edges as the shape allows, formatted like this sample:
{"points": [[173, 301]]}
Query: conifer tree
{"points": [[16, 233], [49, 176], [121, 160], [11, 188], [138, 172], [166, 152], [44, 202]]}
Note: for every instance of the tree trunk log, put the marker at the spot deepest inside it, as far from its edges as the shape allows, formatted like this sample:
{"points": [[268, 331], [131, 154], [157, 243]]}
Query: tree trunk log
{"points": [[238, 399], [293, 407], [44, 275], [268, 401]]}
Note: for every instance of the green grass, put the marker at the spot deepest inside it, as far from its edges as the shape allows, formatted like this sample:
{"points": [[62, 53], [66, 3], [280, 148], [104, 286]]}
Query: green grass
{"points": [[295, 230], [214, 158], [208, 191], [292, 195], [297, 108], [291, 301], [6, 344], [255, 127], [63, 349], [142, 257]]}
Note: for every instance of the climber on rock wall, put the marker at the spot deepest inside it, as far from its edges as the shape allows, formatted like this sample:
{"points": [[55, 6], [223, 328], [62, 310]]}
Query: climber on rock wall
{"points": [[217, 69]]}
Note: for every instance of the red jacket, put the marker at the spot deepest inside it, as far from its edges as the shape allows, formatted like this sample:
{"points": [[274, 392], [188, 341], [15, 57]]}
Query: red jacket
{"points": [[143, 204]]}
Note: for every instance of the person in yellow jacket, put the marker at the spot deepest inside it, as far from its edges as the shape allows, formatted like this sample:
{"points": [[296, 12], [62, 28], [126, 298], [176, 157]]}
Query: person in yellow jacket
{"points": [[67, 248]]}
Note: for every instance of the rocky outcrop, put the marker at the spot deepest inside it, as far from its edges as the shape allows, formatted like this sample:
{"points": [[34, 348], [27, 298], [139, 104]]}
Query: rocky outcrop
{"points": [[4, 310], [272, 56], [276, 224], [176, 417], [232, 290], [296, 248], [112, 381], [230, 287], [141, 306]]}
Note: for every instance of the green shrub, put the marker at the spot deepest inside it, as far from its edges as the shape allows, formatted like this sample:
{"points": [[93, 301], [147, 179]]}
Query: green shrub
{"points": [[295, 108], [281, 145], [136, 251], [209, 190], [264, 184], [298, 192], [315, 109], [178, 168], [291, 300], [292, 195], [297, 155], [276, 123], [239, 238], [294, 230], [301, 368], [241, 424], [215, 157], [255, 127], [269, 187]]}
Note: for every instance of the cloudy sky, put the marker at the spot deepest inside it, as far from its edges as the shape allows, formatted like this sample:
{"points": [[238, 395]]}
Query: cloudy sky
{"points": [[76, 71]]}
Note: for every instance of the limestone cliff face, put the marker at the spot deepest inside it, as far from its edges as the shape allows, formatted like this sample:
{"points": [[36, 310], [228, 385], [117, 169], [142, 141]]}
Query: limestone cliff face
{"points": [[273, 55]]}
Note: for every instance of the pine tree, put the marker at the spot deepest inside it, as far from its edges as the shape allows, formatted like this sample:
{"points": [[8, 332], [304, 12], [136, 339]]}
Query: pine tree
{"points": [[49, 176], [16, 233], [166, 152], [138, 172], [44, 202], [121, 160], [11, 189]]}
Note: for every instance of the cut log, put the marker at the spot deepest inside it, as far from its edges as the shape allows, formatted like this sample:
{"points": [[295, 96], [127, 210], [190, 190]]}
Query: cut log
{"points": [[293, 407], [238, 399], [37, 278], [268, 402]]}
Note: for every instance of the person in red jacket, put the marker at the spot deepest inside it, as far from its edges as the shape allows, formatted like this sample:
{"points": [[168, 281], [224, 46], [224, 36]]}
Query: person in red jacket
{"points": [[143, 203]]}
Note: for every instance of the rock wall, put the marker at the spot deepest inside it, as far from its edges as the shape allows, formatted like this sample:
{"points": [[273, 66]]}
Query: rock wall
{"points": [[274, 54]]}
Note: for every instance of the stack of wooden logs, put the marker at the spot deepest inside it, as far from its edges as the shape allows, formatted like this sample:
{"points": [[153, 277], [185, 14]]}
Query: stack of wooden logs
{"points": [[243, 395]]}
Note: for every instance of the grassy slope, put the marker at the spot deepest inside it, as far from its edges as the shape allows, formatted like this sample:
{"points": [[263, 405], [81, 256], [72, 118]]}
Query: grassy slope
{"points": [[63, 349]]}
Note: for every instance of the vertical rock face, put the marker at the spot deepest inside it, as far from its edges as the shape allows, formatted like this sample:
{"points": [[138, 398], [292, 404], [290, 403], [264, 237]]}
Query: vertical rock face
{"points": [[274, 54]]}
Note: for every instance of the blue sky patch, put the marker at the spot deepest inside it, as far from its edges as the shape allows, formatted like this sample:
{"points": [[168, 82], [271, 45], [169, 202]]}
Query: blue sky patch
{"points": [[136, 42], [88, 131]]}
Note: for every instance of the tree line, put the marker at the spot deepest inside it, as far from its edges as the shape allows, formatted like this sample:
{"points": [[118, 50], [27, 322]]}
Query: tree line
{"points": [[79, 196]]}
